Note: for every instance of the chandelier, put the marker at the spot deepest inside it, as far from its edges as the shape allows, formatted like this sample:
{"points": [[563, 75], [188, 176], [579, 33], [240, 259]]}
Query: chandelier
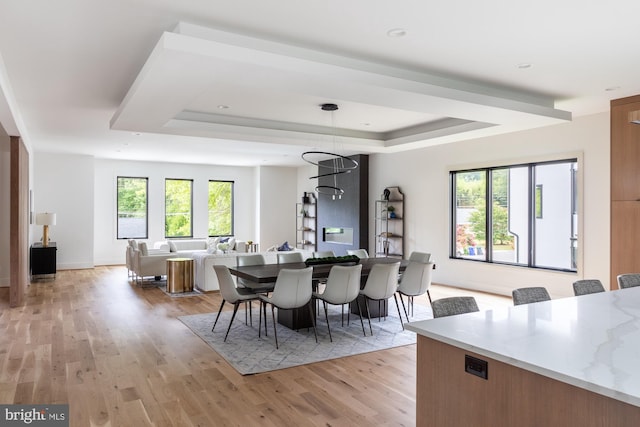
{"points": [[329, 164]]}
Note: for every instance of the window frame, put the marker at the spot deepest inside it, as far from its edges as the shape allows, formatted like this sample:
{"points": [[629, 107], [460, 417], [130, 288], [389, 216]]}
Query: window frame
{"points": [[146, 213], [531, 263], [233, 216], [190, 208]]}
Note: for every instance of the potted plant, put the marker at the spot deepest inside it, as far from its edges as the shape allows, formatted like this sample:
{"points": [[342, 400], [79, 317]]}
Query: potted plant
{"points": [[392, 211]]}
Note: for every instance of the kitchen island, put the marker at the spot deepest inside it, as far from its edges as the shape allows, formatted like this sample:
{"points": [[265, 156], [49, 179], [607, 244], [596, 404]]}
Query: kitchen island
{"points": [[570, 361]]}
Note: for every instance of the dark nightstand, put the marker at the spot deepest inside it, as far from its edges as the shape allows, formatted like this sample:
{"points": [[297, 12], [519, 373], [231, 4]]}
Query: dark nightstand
{"points": [[43, 260]]}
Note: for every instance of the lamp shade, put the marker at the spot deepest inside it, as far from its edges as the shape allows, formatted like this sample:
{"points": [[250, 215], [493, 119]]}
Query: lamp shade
{"points": [[46, 218]]}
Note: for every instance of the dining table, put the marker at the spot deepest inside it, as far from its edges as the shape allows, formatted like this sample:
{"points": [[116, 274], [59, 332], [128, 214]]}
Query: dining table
{"points": [[262, 278]]}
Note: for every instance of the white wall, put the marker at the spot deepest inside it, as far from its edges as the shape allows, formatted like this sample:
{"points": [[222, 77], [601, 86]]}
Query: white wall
{"points": [[63, 184], [422, 175], [278, 196], [109, 250]]}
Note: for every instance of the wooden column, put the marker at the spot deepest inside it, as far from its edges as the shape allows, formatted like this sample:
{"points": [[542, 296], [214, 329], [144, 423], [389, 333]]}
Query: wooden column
{"points": [[19, 222]]}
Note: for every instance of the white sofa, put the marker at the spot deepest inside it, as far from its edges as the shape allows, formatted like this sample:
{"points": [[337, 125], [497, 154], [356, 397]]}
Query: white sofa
{"points": [[205, 276], [188, 247]]}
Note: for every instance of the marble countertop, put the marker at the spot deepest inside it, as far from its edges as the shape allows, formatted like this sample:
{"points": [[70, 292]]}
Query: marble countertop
{"points": [[591, 341]]}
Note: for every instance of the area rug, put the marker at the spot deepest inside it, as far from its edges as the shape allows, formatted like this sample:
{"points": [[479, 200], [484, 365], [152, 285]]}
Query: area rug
{"points": [[249, 354]]}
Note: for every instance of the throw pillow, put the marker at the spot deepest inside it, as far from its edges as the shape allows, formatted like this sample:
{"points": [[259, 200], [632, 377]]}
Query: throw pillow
{"points": [[142, 246], [232, 243], [212, 243], [285, 247], [133, 244], [224, 239], [172, 247]]}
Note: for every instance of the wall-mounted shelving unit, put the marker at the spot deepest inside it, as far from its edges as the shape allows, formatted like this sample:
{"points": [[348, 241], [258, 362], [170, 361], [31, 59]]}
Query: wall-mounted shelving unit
{"points": [[389, 224], [306, 226]]}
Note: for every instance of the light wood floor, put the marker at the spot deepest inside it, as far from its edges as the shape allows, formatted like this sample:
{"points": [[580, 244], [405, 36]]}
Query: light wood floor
{"points": [[118, 355]]}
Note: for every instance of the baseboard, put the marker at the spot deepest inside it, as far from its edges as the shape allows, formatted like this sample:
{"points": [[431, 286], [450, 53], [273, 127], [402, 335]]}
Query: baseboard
{"points": [[109, 261], [74, 266]]}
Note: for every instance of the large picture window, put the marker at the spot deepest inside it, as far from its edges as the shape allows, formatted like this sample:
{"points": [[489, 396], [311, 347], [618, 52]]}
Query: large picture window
{"points": [[132, 208], [178, 208], [220, 208], [502, 215]]}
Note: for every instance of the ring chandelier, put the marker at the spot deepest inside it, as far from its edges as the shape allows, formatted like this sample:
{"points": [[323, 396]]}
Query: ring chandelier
{"points": [[336, 164]]}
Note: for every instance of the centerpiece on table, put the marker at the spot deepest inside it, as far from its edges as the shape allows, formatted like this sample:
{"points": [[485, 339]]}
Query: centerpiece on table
{"points": [[353, 259]]}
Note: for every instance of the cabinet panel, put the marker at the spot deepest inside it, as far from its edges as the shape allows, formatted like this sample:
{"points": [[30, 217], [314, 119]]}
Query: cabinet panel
{"points": [[625, 243], [43, 259], [625, 153]]}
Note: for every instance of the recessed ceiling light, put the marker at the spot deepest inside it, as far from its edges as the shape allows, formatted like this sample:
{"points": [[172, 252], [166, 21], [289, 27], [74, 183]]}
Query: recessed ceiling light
{"points": [[612, 88], [367, 124], [223, 107], [524, 65], [136, 134], [397, 32]]}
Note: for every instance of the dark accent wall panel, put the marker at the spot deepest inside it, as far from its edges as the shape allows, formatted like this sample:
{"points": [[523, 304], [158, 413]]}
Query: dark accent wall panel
{"points": [[351, 211]]}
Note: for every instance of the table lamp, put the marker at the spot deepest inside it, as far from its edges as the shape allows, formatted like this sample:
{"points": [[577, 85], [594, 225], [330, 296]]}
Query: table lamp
{"points": [[45, 219]]}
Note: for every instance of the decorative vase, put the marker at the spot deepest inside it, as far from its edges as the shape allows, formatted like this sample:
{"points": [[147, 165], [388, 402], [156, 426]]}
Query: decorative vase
{"points": [[305, 198]]}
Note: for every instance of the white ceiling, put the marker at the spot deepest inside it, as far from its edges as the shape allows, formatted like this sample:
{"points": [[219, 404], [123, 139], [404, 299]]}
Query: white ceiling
{"points": [[145, 79]]}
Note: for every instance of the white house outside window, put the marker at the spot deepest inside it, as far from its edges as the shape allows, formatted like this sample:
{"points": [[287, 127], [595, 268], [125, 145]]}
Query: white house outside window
{"points": [[520, 214]]}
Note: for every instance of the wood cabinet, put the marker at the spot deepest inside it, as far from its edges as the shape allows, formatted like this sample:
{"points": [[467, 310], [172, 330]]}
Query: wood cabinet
{"points": [[625, 189]]}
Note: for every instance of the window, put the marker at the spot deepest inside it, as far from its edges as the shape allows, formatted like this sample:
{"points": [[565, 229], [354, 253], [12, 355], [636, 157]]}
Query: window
{"points": [[178, 196], [220, 208], [501, 215], [132, 208]]}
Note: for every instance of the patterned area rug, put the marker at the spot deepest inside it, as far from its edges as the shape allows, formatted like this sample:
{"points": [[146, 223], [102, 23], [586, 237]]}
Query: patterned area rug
{"points": [[249, 354]]}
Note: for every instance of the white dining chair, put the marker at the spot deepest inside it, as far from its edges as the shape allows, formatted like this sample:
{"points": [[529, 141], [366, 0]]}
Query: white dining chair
{"points": [[360, 253], [420, 257], [415, 281], [381, 285], [292, 290], [323, 254], [289, 257], [231, 294], [343, 287]]}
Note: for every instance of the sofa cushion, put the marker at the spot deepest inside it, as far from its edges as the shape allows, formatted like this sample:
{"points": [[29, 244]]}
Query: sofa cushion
{"points": [[188, 245], [212, 243], [142, 246]]}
